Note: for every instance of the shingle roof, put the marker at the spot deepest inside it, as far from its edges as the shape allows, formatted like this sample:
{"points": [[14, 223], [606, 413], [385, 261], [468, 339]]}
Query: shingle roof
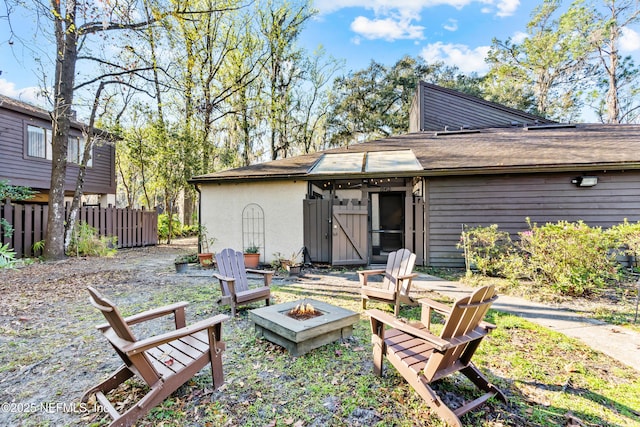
{"points": [[509, 150], [32, 110]]}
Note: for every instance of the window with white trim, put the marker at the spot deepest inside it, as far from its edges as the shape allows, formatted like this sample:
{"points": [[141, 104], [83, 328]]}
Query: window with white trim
{"points": [[39, 145], [75, 150], [39, 142]]}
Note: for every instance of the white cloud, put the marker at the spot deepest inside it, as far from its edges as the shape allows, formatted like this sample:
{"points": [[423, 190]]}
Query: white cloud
{"points": [[31, 95], [451, 25], [329, 6], [630, 40], [394, 19], [466, 59], [389, 29], [504, 7], [518, 37], [507, 7]]}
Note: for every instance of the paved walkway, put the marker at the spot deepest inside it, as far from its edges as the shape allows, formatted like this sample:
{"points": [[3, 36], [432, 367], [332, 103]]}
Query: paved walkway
{"points": [[619, 343]]}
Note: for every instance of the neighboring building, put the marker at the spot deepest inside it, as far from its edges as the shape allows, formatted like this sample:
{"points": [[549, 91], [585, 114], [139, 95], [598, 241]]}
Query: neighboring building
{"points": [[496, 165], [25, 154]]}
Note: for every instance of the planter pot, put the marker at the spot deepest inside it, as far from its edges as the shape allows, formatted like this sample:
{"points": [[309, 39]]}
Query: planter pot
{"points": [[181, 267], [206, 260], [294, 270], [251, 260]]}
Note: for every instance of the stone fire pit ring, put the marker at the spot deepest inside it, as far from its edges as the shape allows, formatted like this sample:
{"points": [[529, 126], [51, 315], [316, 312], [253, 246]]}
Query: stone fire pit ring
{"points": [[300, 336]]}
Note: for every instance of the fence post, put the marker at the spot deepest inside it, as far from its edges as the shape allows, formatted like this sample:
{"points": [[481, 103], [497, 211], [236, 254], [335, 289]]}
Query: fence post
{"points": [[133, 227], [7, 215]]}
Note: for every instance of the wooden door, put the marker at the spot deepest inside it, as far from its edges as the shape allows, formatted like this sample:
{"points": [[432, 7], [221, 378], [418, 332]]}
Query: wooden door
{"points": [[317, 229], [349, 234]]}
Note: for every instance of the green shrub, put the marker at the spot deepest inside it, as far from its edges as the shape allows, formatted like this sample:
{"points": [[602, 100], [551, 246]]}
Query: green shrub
{"points": [[85, 241], [7, 256], [178, 230], [485, 248], [570, 257], [627, 237]]}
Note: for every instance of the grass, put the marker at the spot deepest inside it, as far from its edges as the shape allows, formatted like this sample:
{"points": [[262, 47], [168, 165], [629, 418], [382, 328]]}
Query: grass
{"points": [[615, 304], [547, 377], [56, 353]]}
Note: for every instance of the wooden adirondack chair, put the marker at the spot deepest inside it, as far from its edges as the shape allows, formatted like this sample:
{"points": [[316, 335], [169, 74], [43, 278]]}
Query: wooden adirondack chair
{"points": [[164, 362], [422, 357], [233, 281], [396, 282]]}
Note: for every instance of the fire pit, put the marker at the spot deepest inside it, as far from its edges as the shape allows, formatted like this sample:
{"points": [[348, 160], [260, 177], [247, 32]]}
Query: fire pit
{"points": [[311, 325], [304, 311]]}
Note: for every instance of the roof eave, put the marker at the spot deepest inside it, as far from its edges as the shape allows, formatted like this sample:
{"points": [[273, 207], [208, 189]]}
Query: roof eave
{"points": [[425, 173]]}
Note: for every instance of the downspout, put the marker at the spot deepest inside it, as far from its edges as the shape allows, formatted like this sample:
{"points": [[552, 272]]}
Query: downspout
{"points": [[199, 214]]}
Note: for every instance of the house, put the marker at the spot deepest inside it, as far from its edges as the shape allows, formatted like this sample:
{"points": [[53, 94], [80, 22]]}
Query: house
{"points": [[25, 154], [467, 162]]}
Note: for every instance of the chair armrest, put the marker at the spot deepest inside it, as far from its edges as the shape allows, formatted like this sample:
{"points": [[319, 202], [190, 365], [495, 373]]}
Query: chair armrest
{"points": [[151, 342], [396, 323], [437, 306], [370, 272], [408, 276], [267, 274], [231, 284], [223, 278], [176, 308], [364, 275]]}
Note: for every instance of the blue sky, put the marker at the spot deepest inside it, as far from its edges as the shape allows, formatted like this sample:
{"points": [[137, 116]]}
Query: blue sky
{"points": [[458, 32]]}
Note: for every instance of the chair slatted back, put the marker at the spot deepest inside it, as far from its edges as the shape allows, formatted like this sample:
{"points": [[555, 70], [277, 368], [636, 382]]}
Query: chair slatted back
{"points": [[231, 264], [399, 263], [138, 363], [111, 314], [466, 315]]}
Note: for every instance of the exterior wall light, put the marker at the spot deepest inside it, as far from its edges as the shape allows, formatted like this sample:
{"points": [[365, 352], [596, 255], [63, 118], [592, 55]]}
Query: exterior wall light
{"points": [[585, 181]]}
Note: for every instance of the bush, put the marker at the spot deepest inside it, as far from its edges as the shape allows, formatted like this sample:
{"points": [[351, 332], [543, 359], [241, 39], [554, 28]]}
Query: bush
{"points": [[86, 242], [178, 230], [627, 237], [568, 258], [7, 256], [485, 248]]}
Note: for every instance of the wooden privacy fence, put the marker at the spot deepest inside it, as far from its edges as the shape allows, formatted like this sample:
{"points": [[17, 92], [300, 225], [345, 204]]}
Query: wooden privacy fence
{"points": [[133, 227]]}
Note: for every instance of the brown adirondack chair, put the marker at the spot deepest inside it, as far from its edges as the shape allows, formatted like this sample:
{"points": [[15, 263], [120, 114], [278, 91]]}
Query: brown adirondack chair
{"points": [[422, 357], [234, 284], [396, 282], [164, 362]]}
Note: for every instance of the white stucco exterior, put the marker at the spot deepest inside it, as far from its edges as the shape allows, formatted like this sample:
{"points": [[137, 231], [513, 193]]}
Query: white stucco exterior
{"points": [[281, 202]]}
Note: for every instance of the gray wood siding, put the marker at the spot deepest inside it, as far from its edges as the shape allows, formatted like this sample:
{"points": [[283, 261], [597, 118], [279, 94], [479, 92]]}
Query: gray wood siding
{"points": [[509, 200], [440, 107], [20, 169]]}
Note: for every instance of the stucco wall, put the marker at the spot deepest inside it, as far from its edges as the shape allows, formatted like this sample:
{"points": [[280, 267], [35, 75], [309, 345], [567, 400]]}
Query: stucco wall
{"points": [[281, 201]]}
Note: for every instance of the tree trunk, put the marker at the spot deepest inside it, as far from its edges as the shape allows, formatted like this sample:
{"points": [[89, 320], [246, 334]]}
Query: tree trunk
{"points": [[82, 171], [66, 48]]}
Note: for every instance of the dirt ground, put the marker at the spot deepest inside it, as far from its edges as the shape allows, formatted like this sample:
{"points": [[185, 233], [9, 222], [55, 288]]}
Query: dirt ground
{"points": [[50, 351]]}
